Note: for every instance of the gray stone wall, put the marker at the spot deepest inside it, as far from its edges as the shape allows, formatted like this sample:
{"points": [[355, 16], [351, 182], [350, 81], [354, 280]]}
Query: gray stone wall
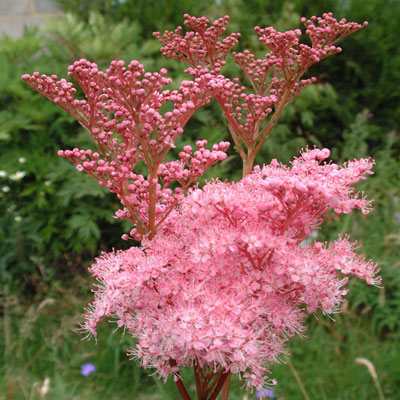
{"points": [[16, 14]]}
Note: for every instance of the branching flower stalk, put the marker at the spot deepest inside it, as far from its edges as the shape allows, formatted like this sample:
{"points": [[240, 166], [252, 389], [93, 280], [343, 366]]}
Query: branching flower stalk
{"points": [[276, 79], [121, 112], [222, 278]]}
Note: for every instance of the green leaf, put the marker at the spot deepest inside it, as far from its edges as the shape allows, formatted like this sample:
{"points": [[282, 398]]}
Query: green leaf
{"points": [[307, 119], [84, 226]]}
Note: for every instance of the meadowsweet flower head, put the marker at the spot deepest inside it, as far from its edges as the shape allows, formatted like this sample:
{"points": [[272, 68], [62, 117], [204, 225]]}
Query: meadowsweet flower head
{"points": [[226, 282]]}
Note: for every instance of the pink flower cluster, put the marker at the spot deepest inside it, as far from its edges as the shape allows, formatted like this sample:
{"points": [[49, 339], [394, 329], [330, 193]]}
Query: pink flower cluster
{"points": [[228, 280], [276, 79], [294, 58], [200, 46], [122, 113]]}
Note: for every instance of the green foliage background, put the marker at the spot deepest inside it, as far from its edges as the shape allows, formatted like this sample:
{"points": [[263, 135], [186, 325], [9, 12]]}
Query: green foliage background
{"points": [[55, 220]]}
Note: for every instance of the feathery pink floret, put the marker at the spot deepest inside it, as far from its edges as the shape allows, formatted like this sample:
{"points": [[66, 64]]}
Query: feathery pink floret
{"points": [[228, 279]]}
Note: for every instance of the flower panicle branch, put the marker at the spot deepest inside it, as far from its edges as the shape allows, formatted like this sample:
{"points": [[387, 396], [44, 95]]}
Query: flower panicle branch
{"points": [[201, 45], [275, 79], [121, 110]]}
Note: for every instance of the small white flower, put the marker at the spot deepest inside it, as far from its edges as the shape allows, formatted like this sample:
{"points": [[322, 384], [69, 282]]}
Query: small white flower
{"points": [[3, 173], [18, 218], [47, 183], [17, 176], [21, 160], [5, 189]]}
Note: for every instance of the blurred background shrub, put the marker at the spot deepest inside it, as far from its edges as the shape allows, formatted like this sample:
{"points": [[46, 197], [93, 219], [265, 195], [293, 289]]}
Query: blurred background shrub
{"points": [[54, 220]]}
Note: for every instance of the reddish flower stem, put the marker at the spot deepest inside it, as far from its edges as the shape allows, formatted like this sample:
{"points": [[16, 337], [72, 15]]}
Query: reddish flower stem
{"points": [[220, 384], [225, 389], [199, 382], [179, 384]]}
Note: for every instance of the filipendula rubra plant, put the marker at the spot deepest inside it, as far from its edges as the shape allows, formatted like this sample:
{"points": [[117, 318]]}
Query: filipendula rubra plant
{"points": [[222, 278]]}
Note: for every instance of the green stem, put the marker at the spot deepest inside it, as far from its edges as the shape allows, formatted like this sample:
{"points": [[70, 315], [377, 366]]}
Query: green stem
{"points": [[298, 379]]}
